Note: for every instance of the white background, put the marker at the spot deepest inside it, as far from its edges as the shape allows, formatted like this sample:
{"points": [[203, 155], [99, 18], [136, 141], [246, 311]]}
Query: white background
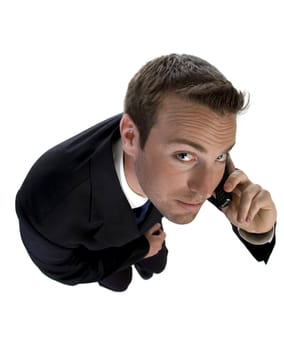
{"points": [[64, 66]]}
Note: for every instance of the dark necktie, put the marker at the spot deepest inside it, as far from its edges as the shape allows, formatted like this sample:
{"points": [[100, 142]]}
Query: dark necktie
{"points": [[140, 212]]}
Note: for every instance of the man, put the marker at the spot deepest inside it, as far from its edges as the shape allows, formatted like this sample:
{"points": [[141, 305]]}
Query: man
{"points": [[91, 207]]}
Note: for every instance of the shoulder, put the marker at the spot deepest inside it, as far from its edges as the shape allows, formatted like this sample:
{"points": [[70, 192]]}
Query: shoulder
{"points": [[63, 169]]}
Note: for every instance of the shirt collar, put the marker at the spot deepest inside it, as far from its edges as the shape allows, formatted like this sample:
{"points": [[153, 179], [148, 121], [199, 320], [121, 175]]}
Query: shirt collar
{"points": [[134, 199]]}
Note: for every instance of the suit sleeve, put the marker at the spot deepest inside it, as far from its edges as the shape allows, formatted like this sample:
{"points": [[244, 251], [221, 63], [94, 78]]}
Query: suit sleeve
{"points": [[70, 262], [261, 252]]}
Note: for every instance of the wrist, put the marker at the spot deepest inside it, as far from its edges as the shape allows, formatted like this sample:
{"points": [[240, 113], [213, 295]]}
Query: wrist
{"points": [[257, 238]]}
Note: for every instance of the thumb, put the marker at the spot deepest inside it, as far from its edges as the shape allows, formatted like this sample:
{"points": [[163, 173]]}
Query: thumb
{"points": [[155, 229]]}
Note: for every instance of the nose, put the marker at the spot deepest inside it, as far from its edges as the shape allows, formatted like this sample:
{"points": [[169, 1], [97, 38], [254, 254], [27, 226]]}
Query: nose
{"points": [[202, 181]]}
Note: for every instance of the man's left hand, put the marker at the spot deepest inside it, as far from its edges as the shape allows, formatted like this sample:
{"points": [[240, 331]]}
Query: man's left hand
{"points": [[252, 208]]}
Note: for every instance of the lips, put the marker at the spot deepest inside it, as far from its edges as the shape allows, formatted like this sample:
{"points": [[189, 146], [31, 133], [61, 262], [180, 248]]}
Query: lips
{"points": [[191, 207]]}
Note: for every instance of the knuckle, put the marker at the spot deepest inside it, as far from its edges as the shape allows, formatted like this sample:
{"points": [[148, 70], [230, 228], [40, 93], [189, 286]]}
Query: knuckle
{"points": [[258, 187], [266, 193], [239, 174], [236, 172]]}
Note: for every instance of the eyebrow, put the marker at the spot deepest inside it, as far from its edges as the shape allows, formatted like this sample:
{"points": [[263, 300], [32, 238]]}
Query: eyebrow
{"points": [[196, 145]]}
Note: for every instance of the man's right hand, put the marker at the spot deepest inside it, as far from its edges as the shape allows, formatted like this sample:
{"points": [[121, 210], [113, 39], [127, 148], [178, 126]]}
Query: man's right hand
{"points": [[155, 236]]}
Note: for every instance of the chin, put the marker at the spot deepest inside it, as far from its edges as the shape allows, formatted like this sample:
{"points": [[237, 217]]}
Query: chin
{"points": [[181, 219]]}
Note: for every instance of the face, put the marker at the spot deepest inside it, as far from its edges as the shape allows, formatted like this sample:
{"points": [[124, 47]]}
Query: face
{"points": [[184, 158]]}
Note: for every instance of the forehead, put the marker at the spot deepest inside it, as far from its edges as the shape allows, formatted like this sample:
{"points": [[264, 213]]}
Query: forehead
{"points": [[178, 118]]}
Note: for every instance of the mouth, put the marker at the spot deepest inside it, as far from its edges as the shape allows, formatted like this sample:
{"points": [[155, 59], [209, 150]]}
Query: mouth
{"points": [[191, 207]]}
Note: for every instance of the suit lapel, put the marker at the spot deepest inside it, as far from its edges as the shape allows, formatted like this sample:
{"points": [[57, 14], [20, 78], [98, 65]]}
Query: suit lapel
{"points": [[109, 205]]}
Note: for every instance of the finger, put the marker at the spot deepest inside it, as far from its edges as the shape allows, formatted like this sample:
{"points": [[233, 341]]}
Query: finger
{"points": [[155, 228], [236, 178], [163, 235], [230, 164], [160, 233], [246, 201], [261, 201]]}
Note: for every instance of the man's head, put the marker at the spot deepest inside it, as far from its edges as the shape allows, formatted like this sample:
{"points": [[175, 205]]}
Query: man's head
{"points": [[177, 133], [186, 76]]}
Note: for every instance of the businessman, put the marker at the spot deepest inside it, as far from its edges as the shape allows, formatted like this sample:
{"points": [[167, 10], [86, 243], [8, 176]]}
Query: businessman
{"points": [[90, 209]]}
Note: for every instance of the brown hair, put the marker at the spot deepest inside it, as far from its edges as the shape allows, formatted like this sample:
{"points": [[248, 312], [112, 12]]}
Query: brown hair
{"points": [[187, 76]]}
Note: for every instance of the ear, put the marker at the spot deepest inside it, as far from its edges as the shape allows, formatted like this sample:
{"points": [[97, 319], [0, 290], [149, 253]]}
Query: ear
{"points": [[129, 135]]}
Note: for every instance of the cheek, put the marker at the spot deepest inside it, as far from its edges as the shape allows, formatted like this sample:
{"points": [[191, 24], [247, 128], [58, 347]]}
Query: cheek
{"points": [[166, 180], [164, 170], [154, 174]]}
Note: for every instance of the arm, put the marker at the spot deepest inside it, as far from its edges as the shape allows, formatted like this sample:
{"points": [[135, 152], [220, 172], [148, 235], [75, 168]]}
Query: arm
{"points": [[252, 213], [79, 264], [261, 252], [53, 206]]}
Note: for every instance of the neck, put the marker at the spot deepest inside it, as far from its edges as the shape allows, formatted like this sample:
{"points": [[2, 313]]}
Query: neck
{"points": [[130, 175]]}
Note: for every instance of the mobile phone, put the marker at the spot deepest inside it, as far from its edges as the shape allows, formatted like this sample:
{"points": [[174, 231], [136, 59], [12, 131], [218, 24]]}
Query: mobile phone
{"points": [[222, 199]]}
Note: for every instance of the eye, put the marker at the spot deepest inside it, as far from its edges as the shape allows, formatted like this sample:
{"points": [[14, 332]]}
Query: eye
{"points": [[222, 157], [184, 157]]}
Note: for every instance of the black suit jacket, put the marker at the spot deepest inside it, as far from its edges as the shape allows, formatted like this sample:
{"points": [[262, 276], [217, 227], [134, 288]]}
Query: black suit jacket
{"points": [[75, 221]]}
